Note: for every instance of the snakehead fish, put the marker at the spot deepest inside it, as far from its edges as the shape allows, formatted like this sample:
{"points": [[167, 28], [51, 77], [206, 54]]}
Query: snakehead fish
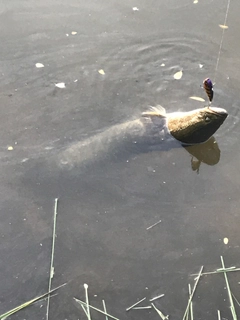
{"points": [[154, 130]]}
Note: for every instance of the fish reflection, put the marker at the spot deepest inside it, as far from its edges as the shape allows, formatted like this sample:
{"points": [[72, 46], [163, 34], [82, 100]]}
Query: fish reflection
{"points": [[207, 152]]}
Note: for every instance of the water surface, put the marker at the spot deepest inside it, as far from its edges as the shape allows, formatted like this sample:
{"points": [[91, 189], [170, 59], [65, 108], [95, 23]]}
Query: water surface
{"points": [[103, 214]]}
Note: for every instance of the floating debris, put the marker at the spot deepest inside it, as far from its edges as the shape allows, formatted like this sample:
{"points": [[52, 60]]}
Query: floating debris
{"points": [[84, 303], [101, 71], [191, 304], [225, 240], [87, 301], [157, 297], [163, 65], [232, 307], [75, 80], [60, 85], [178, 75], [28, 303], [197, 98], [135, 304], [160, 313], [195, 1], [39, 65], [51, 271], [73, 33], [142, 308], [153, 225], [67, 34], [135, 9], [223, 26], [220, 270], [238, 303], [10, 148], [192, 294], [104, 308], [200, 65]]}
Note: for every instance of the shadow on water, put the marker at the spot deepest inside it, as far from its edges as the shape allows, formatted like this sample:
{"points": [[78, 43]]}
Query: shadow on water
{"points": [[83, 163]]}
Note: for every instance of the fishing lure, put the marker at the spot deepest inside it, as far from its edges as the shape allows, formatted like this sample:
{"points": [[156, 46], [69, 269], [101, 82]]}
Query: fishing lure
{"points": [[208, 87]]}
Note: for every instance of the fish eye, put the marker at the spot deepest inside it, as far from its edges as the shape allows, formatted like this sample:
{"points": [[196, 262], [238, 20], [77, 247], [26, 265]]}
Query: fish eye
{"points": [[207, 119]]}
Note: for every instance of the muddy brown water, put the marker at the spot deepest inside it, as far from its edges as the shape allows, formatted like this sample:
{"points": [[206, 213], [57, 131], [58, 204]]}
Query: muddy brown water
{"points": [[103, 214]]}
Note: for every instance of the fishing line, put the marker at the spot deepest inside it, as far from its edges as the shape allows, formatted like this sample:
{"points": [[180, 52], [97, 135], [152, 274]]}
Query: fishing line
{"points": [[221, 42]]}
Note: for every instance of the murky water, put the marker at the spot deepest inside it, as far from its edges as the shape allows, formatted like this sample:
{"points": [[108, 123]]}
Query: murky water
{"points": [[104, 213]]}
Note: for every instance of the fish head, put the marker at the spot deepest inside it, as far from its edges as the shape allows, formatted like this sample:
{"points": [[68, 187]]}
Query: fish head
{"points": [[196, 126]]}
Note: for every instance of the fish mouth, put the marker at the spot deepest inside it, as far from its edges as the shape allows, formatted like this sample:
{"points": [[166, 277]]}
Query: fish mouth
{"points": [[219, 112]]}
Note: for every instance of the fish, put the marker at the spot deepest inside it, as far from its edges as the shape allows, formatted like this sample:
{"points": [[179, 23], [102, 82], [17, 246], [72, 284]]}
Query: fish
{"points": [[153, 130], [208, 87]]}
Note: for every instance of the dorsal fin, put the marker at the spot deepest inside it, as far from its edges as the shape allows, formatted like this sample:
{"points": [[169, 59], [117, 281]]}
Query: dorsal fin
{"points": [[157, 111]]}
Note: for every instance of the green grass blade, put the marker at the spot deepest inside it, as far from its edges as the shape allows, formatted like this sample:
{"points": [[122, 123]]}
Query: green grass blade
{"points": [[238, 303], [85, 310], [104, 308], [51, 271], [28, 303], [96, 309], [191, 304], [161, 315], [221, 270], [157, 297], [87, 301], [232, 307], [193, 291], [135, 304]]}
